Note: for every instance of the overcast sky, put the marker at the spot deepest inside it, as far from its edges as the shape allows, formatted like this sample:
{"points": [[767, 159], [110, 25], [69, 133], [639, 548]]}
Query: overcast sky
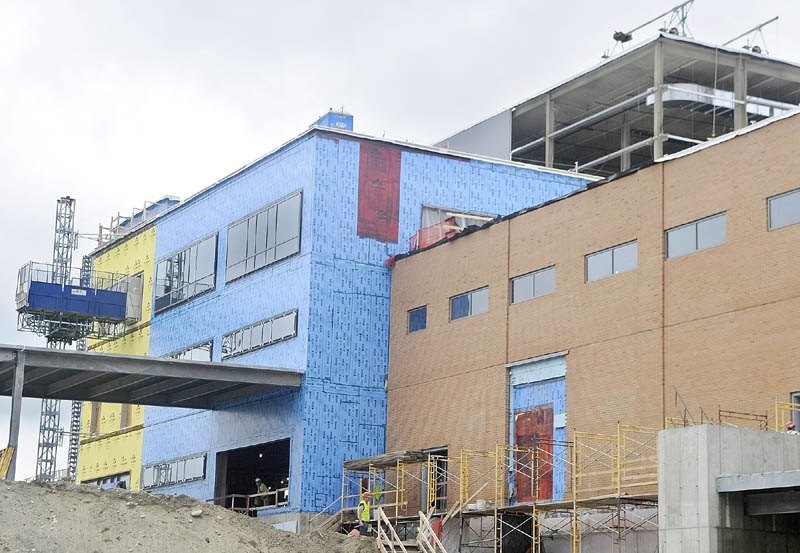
{"points": [[117, 102]]}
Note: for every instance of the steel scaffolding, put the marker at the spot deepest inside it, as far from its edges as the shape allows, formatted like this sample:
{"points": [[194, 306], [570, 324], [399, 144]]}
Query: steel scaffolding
{"points": [[50, 418]]}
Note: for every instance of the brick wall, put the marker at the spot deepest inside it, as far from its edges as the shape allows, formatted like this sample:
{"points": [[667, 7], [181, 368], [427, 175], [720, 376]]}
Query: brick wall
{"points": [[719, 325]]}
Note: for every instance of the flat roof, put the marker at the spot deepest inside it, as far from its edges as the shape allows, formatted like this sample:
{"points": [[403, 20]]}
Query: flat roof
{"points": [[316, 129], [133, 379], [689, 151], [623, 56]]}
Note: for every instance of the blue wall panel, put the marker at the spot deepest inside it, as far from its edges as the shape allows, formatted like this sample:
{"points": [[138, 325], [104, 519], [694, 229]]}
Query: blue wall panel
{"points": [[527, 396], [340, 285], [171, 433], [350, 286]]}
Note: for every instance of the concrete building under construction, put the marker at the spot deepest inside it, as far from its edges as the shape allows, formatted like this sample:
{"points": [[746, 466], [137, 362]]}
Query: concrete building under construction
{"points": [[665, 294], [282, 264], [657, 98]]}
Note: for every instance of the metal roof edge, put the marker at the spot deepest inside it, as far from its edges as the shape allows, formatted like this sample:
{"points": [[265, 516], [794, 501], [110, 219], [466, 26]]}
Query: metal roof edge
{"points": [[729, 136], [317, 129], [611, 178], [456, 153]]}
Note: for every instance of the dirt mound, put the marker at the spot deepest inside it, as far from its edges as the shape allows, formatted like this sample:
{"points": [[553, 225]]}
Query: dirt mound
{"points": [[64, 518]]}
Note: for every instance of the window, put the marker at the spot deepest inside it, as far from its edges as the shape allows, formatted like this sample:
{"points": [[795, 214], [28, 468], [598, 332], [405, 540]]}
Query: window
{"points": [[125, 416], [612, 261], [259, 335], [174, 472], [186, 274], [94, 422], [122, 480], [197, 352], [417, 319], [462, 219], [533, 285], [264, 237], [132, 285], [698, 235], [784, 209], [471, 303]]}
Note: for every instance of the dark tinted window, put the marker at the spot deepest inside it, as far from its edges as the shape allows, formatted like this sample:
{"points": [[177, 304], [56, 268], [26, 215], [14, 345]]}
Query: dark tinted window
{"points": [[186, 274], [471, 303], [418, 318], [264, 237]]}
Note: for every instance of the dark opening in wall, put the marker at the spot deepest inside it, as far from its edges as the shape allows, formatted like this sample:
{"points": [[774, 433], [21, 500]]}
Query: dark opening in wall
{"points": [[237, 470]]}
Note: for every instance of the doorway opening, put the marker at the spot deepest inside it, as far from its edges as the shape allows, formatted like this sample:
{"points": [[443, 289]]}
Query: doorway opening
{"points": [[237, 470]]}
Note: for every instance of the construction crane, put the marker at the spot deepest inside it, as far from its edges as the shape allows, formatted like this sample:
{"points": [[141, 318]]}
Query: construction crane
{"points": [[675, 25], [751, 35]]}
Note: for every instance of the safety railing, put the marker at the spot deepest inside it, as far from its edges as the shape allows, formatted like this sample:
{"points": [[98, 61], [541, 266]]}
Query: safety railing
{"points": [[388, 540], [427, 540], [785, 412], [252, 503]]}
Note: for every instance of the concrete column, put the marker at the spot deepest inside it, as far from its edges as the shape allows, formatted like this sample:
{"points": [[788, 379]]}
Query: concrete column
{"points": [[549, 127], [16, 412], [624, 142], [658, 103], [740, 93]]}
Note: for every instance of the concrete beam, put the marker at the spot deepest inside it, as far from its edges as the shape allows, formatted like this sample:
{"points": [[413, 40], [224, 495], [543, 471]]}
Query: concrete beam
{"points": [[133, 364], [624, 142], [582, 124], [758, 64], [740, 94], [549, 127], [16, 412], [772, 503], [758, 481], [658, 102]]}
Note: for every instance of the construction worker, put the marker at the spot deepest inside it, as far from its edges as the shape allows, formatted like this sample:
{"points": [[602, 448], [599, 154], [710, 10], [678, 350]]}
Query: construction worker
{"points": [[260, 488], [790, 428], [363, 513]]}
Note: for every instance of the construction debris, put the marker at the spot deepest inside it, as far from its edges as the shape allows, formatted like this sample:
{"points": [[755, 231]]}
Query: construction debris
{"points": [[59, 517]]}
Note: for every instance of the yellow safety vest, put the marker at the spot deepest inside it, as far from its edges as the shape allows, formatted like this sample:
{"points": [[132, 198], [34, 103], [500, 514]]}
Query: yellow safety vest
{"points": [[365, 511]]}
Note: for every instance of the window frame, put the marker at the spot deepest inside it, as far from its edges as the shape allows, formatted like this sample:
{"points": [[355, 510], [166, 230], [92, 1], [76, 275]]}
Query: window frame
{"points": [[469, 294], [157, 310], [474, 215], [696, 225], [167, 468], [232, 335], [408, 319], [770, 228], [196, 345], [531, 274], [275, 245], [611, 251]]}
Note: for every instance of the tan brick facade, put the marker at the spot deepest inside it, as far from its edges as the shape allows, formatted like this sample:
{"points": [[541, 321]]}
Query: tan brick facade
{"points": [[721, 326]]}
